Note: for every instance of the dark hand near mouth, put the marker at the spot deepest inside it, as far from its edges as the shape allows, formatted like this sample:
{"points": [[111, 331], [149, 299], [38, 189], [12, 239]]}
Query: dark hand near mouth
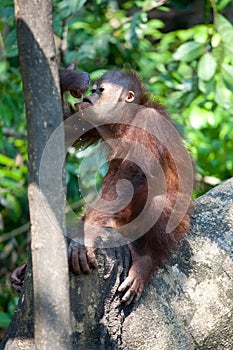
{"points": [[74, 81]]}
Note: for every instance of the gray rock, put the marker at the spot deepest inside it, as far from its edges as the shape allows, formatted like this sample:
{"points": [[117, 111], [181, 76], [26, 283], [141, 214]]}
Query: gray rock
{"points": [[188, 305]]}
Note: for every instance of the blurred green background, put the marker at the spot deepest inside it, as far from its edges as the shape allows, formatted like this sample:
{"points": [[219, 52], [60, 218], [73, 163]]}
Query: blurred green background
{"points": [[182, 50]]}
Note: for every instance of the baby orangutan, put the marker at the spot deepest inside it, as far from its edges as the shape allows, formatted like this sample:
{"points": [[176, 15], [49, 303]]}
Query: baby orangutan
{"points": [[146, 193], [145, 200]]}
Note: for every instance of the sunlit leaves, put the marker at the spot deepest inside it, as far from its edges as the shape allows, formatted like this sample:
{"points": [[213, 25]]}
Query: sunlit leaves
{"points": [[189, 70], [227, 74], [206, 67], [215, 40], [223, 97], [4, 160], [226, 131], [201, 117], [68, 8], [188, 51], [207, 87], [208, 106], [221, 4], [225, 29]]}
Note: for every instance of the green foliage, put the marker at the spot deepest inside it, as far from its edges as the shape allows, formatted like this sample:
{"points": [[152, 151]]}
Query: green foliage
{"points": [[4, 319], [188, 51], [206, 67], [190, 70], [204, 95], [85, 170]]}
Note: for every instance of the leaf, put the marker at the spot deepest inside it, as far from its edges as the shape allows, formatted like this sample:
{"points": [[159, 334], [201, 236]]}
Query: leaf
{"points": [[196, 118], [215, 40], [225, 29], [5, 3], [188, 51], [11, 44], [225, 131], [201, 34], [97, 74], [4, 160], [4, 66], [14, 174], [138, 18], [222, 4], [1, 138], [227, 74], [207, 87], [4, 319], [206, 67], [222, 95], [68, 8]]}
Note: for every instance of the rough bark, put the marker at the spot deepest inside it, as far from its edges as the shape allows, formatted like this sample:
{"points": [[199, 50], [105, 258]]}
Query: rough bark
{"points": [[187, 306], [46, 191]]}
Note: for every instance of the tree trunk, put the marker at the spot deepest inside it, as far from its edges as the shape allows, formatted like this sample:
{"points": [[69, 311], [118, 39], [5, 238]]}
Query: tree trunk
{"points": [[187, 305], [46, 191]]}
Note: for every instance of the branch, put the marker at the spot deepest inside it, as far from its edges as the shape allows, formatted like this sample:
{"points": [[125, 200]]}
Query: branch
{"points": [[157, 4], [17, 231], [46, 193], [12, 133]]}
